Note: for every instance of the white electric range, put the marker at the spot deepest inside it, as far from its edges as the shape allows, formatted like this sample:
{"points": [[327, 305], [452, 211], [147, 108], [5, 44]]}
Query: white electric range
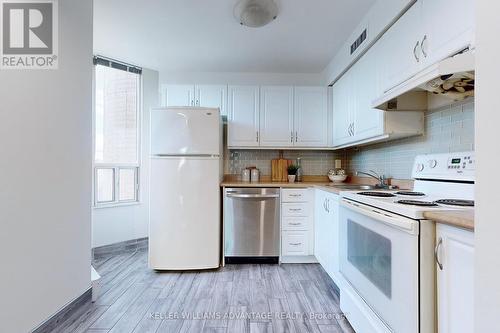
{"points": [[387, 247]]}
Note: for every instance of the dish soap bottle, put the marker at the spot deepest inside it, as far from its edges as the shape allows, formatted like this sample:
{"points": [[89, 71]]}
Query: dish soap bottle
{"points": [[299, 170]]}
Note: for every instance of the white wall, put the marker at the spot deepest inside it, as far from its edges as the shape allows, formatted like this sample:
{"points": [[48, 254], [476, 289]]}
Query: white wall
{"points": [[241, 78], [45, 178], [487, 231], [118, 224]]}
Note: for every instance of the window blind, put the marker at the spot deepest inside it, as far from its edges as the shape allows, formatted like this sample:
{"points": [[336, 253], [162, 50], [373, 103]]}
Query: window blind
{"points": [[99, 60]]}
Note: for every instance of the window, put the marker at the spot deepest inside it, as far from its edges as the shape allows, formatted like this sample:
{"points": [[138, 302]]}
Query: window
{"points": [[116, 133]]}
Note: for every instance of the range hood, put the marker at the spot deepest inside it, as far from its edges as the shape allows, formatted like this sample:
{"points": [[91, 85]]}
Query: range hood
{"points": [[451, 78]]}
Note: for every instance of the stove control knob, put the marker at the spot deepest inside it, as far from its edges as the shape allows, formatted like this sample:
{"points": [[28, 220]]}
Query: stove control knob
{"points": [[420, 167], [432, 164]]}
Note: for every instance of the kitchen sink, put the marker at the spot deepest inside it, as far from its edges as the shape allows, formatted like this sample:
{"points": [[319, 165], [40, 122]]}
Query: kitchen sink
{"points": [[354, 186]]}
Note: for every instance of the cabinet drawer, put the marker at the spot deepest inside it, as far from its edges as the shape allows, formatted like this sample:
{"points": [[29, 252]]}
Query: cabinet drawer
{"points": [[295, 223], [295, 195], [295, 209], [295, 243]]}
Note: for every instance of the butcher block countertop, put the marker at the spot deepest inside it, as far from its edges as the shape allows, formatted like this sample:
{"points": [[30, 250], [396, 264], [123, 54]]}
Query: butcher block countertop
{"points": [[324, 185], [321, 182], [462, 219]]}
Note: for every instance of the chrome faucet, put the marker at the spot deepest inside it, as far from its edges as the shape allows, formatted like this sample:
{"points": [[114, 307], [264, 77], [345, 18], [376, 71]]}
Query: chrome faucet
{"points": [[381, 179]]}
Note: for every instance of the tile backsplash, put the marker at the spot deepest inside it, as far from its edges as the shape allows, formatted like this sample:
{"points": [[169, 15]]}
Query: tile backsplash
{"points": [[447, 129], [313, 162]]}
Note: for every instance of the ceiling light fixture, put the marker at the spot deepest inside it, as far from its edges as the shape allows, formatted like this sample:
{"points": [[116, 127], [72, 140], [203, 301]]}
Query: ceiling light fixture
{"points": [[255, 13]]}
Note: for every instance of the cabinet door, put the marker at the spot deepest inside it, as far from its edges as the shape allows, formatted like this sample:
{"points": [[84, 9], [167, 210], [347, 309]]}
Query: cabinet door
{"points": [[212, 96], [368, 122], [321, 232], [276, 116], [342, 104], [455, 281], [311, 117], [243, 116], [449, 28], [332, 205], [401, 45], [178, 95]]}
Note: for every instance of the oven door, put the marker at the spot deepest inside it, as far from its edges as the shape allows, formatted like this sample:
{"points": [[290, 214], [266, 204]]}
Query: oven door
{"points": [[379, 259]]}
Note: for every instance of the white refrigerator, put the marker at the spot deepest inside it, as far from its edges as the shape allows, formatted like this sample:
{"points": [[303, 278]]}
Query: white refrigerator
{"points": [[186, 170]]}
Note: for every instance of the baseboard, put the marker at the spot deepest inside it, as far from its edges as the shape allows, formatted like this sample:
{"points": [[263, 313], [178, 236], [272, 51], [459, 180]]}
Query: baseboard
{"points": [[298, 260], [120, 247], [50, 324]]}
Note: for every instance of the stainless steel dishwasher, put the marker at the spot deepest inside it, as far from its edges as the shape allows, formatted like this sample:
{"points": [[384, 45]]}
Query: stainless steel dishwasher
{"points": [[251, 225]]}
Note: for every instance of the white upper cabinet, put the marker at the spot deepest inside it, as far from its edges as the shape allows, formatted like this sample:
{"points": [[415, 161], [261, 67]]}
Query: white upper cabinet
{"points": [[276, 116], [437, 41], [367, 122], [243, 116], [355, 122], [311, 117], [178, 95], [425, 35], [280, 116], [342, 114], [212, 96], [402, 57]]}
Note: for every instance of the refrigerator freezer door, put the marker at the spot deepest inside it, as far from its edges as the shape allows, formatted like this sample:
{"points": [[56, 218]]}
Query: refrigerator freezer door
{"points": [[185, 131], [184, 226]]}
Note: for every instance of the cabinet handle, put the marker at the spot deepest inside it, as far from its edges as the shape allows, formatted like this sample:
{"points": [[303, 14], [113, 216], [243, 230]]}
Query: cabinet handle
{"points": [[292, 223], [295, 195], [415, 51], [192, 102], [198, 102], [328, 205], [351, 129], [291, 136], [295, 244], [257, 136], [436, 253], [422, 47], [295, 209], [296, 136]]}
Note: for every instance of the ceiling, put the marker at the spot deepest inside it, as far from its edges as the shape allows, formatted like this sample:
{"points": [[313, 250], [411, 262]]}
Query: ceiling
{"points": [[203, 35]]}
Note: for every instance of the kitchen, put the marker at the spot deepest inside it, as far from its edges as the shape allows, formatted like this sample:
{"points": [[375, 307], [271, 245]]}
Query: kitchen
{"points": [[242, 184]]}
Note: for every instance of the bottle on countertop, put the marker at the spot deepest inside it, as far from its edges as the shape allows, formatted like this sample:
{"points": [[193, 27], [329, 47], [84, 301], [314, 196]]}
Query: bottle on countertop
{"points": [[299, 170]]}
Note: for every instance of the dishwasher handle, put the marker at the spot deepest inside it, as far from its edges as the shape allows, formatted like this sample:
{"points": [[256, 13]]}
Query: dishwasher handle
{"points": [[252, 196]]}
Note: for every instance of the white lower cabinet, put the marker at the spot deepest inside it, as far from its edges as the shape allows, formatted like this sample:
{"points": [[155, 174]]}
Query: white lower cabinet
{"points": [[455, 279], [295, 243], [297, 238], [326, 232]]}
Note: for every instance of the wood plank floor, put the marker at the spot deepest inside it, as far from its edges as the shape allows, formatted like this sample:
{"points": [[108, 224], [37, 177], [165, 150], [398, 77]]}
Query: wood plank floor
{"points": [[237, 298]]}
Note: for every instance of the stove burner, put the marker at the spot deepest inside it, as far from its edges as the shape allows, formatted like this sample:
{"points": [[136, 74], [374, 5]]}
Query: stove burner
{"points": [[417, 203], [411, 193], [456, 202], [377, 194]]}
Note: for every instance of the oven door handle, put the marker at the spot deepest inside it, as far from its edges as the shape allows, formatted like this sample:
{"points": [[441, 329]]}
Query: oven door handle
{"points": [[392, 220]]}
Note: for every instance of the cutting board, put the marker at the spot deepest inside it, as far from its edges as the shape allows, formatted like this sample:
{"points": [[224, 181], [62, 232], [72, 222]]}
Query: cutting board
{"points": [[278, 169]]}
